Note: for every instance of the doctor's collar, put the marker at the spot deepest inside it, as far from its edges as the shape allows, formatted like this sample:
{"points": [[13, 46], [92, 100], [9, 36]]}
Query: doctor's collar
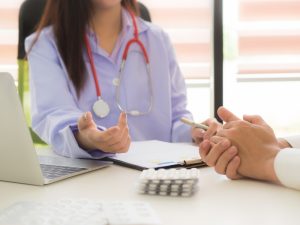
{"points": [[127, 22], [127, 25]]}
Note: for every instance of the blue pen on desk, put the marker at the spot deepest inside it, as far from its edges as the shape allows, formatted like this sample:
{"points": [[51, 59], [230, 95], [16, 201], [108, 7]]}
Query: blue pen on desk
{"points": [[167, 163]]}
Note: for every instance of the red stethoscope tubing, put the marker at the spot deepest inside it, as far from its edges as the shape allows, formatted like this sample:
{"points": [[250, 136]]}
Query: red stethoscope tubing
{"points": [[125, 53], [93, 67]]}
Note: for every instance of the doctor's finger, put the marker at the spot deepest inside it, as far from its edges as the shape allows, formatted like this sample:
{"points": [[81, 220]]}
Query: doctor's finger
{"points": [[116, 134], [108, 137], [128, 144], [95, 139], [198, 133], [124, 146], [119, 137], [121, 146], [122, 120], [85, 121]]}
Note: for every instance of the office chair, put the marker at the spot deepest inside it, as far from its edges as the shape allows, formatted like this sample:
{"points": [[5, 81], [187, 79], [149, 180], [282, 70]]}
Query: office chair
{"points": [[29, 16], [144, 12]]}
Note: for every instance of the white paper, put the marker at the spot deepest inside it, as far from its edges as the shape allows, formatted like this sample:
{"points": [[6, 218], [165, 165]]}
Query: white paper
{"points": [[151, 154]]}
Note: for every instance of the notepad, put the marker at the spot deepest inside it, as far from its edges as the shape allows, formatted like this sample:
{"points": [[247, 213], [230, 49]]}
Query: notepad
{"points": [[156, 154]]}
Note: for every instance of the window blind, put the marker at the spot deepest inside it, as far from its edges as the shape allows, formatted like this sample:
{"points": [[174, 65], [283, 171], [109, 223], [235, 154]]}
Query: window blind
{"points": [[269, 37], [188, 23], [9, 11]]}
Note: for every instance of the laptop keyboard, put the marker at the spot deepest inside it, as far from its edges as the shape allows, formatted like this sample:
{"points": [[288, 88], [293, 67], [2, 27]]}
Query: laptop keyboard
{"points": [[52, 171]]}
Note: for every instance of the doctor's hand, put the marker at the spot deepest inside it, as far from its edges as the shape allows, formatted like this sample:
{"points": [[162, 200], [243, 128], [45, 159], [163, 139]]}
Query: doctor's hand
{"points": [[199, 135], [116, 139]]}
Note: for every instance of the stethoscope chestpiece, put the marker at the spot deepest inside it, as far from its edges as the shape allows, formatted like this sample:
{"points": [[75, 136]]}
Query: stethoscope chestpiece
{"points": [[101, 108]]}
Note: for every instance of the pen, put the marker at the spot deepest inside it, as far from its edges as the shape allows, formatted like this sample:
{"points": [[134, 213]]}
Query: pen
{"points": [[192, 162], [193, 124]]}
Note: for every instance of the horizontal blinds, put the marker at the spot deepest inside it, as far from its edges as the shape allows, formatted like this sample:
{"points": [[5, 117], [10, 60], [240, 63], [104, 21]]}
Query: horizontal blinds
{"points": [[269, 36], [187, 22], [189, 25], [9, 11]]}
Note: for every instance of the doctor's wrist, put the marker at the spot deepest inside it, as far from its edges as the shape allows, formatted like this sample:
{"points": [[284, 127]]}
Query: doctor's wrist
{"points": [[81, 140], [84, 143]]}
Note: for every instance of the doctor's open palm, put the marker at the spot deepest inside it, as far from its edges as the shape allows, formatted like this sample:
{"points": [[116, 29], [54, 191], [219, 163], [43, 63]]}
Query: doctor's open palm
{"points": [[116, 139]]}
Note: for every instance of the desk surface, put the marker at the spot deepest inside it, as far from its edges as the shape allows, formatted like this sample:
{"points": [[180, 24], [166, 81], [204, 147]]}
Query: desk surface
{"points": [[218, 201]]}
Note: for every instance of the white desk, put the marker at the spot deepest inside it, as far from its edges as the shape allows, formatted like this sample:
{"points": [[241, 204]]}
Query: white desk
{"points": [[218, 201]]}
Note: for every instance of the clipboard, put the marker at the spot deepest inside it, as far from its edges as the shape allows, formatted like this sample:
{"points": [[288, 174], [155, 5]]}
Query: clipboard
{"points": [[157, 155]]}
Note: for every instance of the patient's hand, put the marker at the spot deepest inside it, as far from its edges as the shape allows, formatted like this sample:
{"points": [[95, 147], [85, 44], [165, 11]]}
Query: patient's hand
{"points": [[218, 152], [256, 142]]}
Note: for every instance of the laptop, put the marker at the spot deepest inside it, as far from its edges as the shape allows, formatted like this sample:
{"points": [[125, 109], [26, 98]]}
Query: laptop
{"points": [[19, 161]]}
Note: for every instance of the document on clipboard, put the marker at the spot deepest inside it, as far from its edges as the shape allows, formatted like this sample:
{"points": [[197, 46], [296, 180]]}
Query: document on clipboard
{"points": [[157, 154]]}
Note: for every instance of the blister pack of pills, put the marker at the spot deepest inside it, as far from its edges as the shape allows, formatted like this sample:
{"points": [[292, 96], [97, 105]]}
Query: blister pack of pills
{"points": [[169, 182]]}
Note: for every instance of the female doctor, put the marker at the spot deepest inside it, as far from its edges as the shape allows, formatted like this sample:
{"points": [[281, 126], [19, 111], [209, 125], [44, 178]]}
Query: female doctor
{"points": [[101, 77]]}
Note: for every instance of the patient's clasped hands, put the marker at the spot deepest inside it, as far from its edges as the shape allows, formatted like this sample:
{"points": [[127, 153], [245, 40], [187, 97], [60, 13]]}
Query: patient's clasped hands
{"points": [[242, 148]]}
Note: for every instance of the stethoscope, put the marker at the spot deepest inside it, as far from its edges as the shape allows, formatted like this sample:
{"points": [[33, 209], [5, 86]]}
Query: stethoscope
{"points": [[100, 107]]}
